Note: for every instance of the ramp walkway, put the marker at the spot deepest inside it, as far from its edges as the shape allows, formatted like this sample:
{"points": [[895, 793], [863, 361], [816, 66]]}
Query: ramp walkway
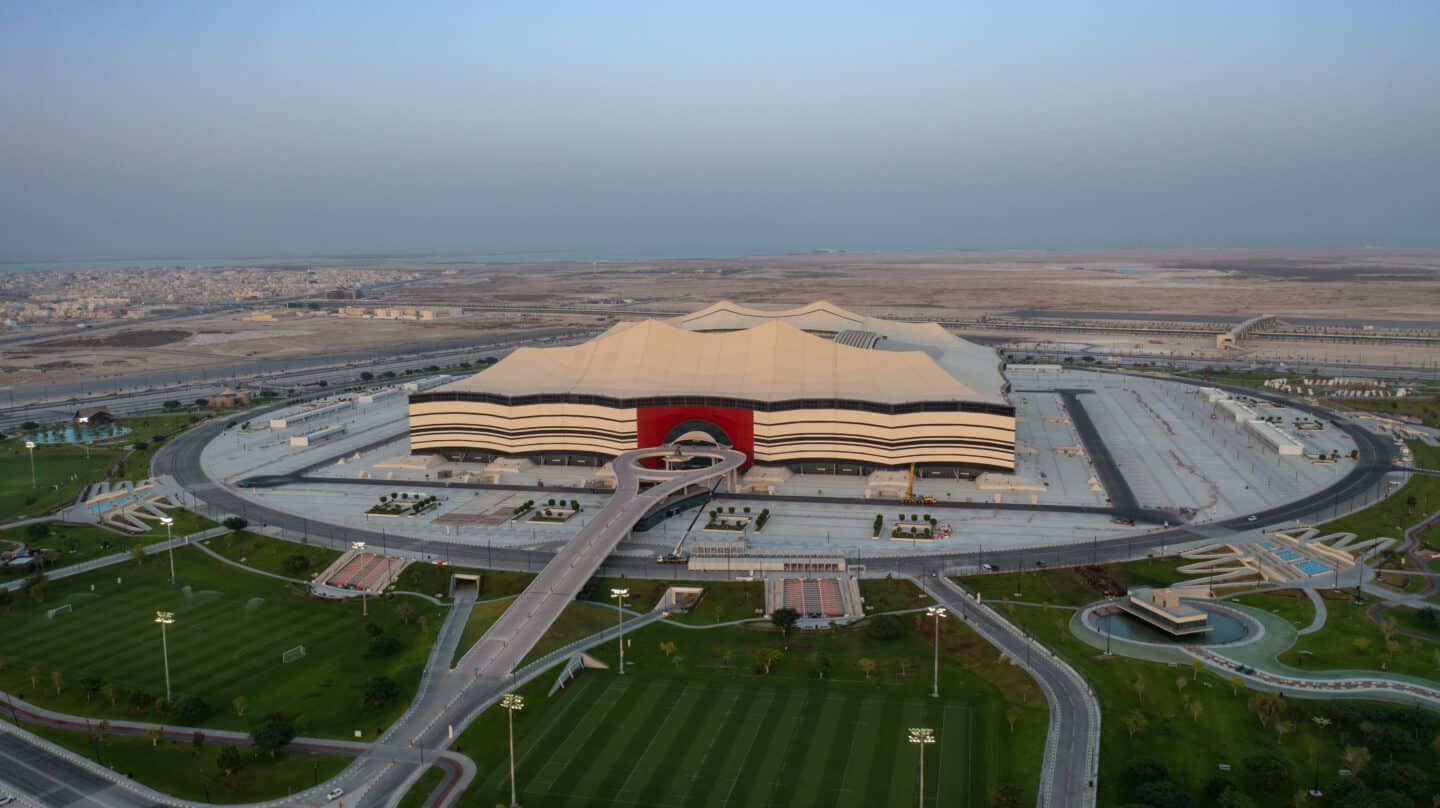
{"points": [[520, 628]]}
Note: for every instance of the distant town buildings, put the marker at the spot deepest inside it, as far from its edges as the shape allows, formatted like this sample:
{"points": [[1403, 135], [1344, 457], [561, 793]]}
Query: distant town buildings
{"points": [[37, 298]]}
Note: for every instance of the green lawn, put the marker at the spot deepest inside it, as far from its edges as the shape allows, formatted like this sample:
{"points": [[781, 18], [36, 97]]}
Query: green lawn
{"points": [[60, 473], [1226, 730], [1413, 619], [177, 769], [1390, 516], [1291, 604], [434, 579], [74, 543], [579, 620], [269, 554], [1064, 586], [482, 617], [229, 633], [186, 522], [705, 726], [1425, 408], [725, 600], [1349, 641], [891, 594], [415, 797]]}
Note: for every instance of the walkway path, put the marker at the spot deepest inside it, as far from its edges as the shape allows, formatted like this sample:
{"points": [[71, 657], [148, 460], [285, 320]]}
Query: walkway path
{"points": [[1365, 686], [1072, 744], [1318, 621]]}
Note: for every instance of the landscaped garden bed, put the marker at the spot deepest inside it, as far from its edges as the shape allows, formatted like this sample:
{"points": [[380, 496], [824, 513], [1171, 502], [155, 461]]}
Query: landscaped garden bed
{"points": [[400, 504]]}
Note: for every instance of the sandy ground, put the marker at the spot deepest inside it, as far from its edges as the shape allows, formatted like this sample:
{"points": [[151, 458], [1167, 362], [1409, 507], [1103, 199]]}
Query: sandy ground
{"points": [[1358, 285]]}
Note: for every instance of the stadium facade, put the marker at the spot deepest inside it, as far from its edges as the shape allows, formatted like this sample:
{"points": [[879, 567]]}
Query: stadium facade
{"points": [[816, 388]]}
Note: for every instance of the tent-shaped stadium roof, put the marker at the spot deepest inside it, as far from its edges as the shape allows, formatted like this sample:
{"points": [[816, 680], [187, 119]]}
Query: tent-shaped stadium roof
{"points": [[754, 355]]}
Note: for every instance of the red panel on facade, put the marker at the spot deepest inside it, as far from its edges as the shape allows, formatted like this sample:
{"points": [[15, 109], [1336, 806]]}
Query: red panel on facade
{"points": [[654, 423]]}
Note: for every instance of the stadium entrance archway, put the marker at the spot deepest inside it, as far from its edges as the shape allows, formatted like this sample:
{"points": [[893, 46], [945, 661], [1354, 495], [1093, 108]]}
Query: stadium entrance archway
{"points": [[709, 426]]}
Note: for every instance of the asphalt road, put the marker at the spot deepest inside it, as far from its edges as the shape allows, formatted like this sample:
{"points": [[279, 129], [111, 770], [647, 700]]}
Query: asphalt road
{"points": [[52, 781]]}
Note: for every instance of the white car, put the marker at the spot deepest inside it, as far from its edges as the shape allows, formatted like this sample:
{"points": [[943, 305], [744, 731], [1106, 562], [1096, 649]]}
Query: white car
{"points": [[1251, 518], [334, 794], [6, 799]]}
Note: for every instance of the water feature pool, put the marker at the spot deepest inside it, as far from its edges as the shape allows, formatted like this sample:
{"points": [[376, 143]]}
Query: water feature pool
{"points": [[1225, 627], [69, 433]]}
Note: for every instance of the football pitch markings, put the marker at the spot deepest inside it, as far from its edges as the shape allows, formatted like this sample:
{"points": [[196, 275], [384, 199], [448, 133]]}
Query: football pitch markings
{"points": [[669, 742]]}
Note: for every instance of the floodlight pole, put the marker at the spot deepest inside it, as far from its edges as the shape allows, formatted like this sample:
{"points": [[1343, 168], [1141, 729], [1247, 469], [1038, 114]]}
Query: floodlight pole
{"points": [[165, 619], [619, 595], [922, 736], [359, 547], [30, 444], [169, 545], [936, 612], [512, 702]]}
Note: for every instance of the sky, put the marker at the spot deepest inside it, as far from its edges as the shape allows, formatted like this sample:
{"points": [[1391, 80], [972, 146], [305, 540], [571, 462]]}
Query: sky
{"points": [[624, 129]]}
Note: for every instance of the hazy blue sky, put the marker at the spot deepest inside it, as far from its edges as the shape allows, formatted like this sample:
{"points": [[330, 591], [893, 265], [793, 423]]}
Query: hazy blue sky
{"points": [[652, 128]]}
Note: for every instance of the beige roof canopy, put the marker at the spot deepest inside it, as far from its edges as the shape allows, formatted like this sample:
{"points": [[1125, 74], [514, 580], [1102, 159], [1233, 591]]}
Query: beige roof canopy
{"points": [[769, 360]]}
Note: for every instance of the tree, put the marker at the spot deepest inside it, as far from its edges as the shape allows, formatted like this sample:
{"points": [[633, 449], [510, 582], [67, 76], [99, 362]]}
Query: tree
{"points": [[108, 691], [406, 613], [884, 627], [1269, 771], [821, 663], [1267, 706], [1235, 684], [1195, 667], [383, 646], [768, 657], [37, 531], [1196, 708], [379, 690], [192, 710], [366, 375], [197, 742], [1135, 721], [1234, 798], [1162, 794], [1011, 716], [202, 402], [867, 665], [172, 405], [1283, 728], [784, 618], [35, 587], [1180, 683], [139, 700], [229, 760], [1144, 770], [235, 524], [57, 680], [667, 648], [1006, 796], [295, 564], [137, 553], [90, 686], [240, 704], [273, 734], [154, 735], [1139, 686]]}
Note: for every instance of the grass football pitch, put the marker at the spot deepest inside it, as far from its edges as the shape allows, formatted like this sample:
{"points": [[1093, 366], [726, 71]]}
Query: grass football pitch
{"points": [[231, 629], [667, 742]]}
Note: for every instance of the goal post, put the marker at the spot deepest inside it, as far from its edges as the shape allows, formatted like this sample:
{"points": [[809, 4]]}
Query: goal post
{"points": [[293, 654], [59, 610]]}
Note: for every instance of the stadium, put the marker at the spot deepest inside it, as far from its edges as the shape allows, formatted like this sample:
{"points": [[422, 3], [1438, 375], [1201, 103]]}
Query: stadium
{"points": [[816, 389]]}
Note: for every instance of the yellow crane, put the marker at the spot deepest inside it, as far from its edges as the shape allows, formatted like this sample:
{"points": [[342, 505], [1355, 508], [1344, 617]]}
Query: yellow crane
{"points": [[910, 498]]}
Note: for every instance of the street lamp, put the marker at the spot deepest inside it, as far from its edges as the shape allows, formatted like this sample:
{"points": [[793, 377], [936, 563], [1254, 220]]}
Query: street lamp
{"points": [[30, 444], [620, 595], [937, 612], [922, 736], [169, 545], [165, 619], [512, 702], [359, 547]]}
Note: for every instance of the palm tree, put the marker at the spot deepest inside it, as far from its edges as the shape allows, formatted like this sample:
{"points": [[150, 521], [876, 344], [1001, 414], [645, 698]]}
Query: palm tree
{"points": [[868, 665], [1356, 758], [1135, 722], [1140, 687], [1196, 708]]}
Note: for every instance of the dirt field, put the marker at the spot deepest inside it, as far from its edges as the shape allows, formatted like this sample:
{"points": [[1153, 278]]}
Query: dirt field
{"points": [[1361, 285]]}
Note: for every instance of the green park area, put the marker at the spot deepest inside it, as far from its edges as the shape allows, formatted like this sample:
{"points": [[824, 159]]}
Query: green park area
{"points": [[1351, 641], [58, 544], [1426, 408], [434, 580], [1178, 736], [721, 601], [60, 472], [420, 791], [291, 559], [1291, 604], [735, 715], [100, 654], [205, 771], [1072, 586]]}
